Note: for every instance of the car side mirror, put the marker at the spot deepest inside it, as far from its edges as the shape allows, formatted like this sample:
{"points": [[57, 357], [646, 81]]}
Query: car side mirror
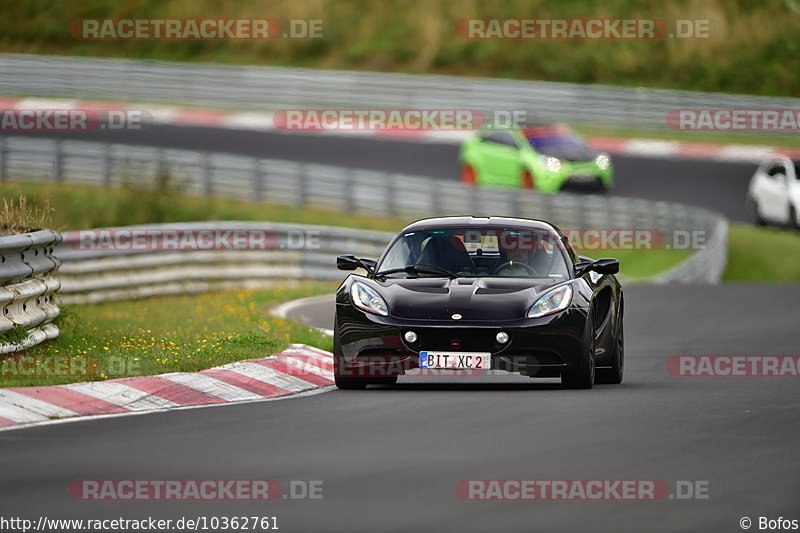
{"points": [[351, 262], [605, 266], [601, 266]]}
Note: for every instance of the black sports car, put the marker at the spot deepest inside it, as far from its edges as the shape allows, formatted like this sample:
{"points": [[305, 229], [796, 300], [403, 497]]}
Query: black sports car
{"points": [[477, 294]]}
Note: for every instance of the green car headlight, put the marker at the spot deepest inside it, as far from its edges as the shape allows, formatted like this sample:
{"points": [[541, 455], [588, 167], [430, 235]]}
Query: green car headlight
{"points": [[603, 161], [553, 164]]}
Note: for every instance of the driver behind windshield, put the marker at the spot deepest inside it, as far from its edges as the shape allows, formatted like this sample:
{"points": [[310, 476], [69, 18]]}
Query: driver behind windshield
{"points": [[515, 264]]}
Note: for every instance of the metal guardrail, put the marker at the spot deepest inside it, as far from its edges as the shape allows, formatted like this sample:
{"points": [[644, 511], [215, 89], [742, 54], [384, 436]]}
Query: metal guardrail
{"points": [[352, 190], [91, 275], [27, 289], [273, 88]]}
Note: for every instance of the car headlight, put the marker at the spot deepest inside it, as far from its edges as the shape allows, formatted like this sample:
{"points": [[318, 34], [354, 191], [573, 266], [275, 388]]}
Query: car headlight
{"points": [[553, 164], [603, 161], [551, 302], [368, 299]]}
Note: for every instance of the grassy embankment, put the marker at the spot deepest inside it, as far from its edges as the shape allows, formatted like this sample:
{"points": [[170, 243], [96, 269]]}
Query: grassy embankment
{"points": [[754, 49]]}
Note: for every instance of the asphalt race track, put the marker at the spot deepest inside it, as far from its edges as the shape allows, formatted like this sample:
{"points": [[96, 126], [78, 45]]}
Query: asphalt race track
{"points": [[720, 186], [390, 457]]}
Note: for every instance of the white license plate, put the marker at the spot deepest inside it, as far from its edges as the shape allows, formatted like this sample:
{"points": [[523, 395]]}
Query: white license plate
{"points": [[456, 360]]}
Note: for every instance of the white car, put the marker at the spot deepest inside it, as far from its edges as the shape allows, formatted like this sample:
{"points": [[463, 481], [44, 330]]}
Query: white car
{"points": [[774, 193]]}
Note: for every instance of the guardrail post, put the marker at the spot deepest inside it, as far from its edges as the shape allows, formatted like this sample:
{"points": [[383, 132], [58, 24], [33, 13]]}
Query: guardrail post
{"points": [[3, 154], [161, 163], [513, 201], [389, 192], [436, 202], [302, 186], [258, 179], [58, 161], [547, 207], [581, 207], [348, 189], [208, 174], [106, 165]]}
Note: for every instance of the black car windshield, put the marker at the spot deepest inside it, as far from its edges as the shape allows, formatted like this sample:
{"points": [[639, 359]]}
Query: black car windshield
{"points": [[477, 252], [544, 138]]}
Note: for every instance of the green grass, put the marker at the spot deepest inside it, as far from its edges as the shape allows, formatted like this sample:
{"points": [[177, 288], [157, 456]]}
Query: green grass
{"points": [[755, 50], [638, 265], [159, 335], [779, 140], [763, 254], [82, 207]]}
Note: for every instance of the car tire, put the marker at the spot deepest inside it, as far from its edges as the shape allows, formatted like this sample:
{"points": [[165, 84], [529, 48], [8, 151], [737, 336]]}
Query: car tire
{"points": [[344, 382], [613, 374], [583, 375], [467, 174], [753, 208], [527, 181], [793, 218]]}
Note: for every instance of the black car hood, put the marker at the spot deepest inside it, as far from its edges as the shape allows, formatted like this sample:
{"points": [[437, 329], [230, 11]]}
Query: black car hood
{"points": [[475, 299], [569, 152]]}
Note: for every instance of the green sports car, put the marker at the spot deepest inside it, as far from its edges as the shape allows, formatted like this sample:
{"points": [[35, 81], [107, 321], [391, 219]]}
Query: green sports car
{"points": [[535, 157]]}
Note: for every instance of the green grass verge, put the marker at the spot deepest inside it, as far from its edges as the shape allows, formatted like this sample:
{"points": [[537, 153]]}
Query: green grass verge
{"points": [[81, 207], [159, 335], [638, 265], [762, 254], [753, 50], [761, 139]]}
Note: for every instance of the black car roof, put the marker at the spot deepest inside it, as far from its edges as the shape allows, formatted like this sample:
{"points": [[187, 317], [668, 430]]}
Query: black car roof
{"points": [[466, 221]]}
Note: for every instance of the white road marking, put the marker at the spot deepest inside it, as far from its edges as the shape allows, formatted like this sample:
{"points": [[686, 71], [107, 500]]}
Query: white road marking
{"points": [[122, 395], [34, 404], [271, 376], [213, 386]]}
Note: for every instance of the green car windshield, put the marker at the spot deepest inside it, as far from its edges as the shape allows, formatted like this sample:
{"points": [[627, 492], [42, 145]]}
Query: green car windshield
{"points": [[477, 252], [542, 138]]}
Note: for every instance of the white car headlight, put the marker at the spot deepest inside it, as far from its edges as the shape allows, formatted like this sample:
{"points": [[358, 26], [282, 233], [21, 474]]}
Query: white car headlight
{"points": [[368, 299], [553, 164], [603, 161], [551, 302]]}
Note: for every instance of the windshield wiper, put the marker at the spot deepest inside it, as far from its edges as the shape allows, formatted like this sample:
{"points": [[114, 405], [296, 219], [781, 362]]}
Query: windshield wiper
{"points": [[415, 270]]}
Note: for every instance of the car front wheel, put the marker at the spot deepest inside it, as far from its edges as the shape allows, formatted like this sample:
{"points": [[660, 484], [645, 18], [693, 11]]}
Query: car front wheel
{"points": [[752, 205], [582, 376], [613, 374], [340, 374], [527, 180], [468, 175]]}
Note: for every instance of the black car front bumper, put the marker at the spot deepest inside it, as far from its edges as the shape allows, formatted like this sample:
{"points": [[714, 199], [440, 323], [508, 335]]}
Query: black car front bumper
{"points": [[373, 345]]}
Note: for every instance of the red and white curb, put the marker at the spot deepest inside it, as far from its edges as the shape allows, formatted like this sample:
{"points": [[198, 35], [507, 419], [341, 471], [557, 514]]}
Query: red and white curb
{"points": [[297, 369], [263, 121]]}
